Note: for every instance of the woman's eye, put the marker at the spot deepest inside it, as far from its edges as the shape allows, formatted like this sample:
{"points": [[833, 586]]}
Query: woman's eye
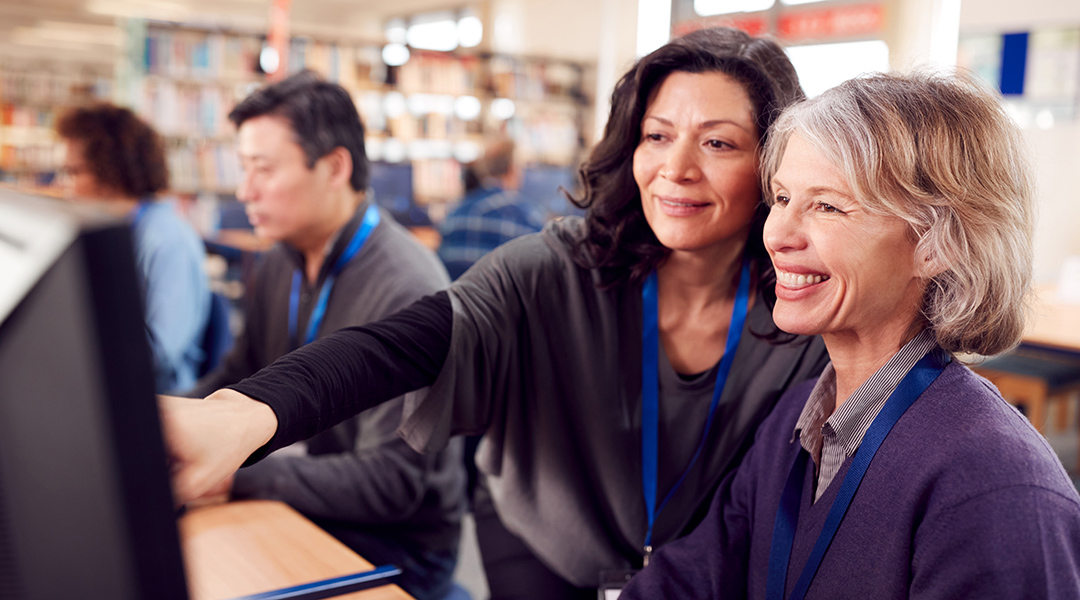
{"points": [[718, 145], [781, 199], [828, 208], [653, 137]]}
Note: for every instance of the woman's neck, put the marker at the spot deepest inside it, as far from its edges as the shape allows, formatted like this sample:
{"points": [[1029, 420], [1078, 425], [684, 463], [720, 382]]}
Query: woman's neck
{"points": [[856, 358], [695, 296], [694, 280]]}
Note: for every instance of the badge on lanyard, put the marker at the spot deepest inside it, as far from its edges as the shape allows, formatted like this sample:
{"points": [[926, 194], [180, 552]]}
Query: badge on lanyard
{"points": [[613, 582]]}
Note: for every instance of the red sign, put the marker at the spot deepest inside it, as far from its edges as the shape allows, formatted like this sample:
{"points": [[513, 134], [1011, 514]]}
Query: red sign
{"points": [[754, 26], [278, 37], [845, 21]]}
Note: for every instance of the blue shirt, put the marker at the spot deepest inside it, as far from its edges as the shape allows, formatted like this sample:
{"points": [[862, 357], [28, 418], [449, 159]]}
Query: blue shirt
{"points": [[171, 258], [487, 217]]}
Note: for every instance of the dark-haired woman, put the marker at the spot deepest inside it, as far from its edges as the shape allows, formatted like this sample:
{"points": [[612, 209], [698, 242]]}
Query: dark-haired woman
{"points": [[617, 365], [115, 158]]}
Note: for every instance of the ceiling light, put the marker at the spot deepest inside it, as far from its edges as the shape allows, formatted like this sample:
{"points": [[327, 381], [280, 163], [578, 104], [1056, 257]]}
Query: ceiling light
{"points": [[707, 8], [467, 108], [433, 35], [395, 55], [502, 108], [470, 32]]}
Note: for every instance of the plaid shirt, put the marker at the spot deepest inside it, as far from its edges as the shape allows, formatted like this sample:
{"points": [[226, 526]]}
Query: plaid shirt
{"points": [[486, 218]]}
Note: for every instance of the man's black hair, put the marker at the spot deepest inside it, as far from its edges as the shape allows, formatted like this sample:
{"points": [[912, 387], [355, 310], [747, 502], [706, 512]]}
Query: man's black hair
{"points": [[322, 115]]}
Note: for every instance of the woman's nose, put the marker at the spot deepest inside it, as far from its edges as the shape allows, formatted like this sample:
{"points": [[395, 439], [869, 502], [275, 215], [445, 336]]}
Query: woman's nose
{"points": [[782, 229], [681, 162]]}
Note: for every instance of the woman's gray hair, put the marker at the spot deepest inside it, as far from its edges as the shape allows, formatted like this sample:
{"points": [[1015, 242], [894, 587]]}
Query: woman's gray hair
{"points": [[939, 151]]}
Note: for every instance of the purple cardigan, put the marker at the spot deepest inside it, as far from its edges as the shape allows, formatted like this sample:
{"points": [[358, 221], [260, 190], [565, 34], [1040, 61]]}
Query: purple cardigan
{"points": [[964, 499]]}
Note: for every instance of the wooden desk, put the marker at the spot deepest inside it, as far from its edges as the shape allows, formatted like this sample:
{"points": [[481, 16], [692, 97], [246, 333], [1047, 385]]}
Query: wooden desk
{"points": [[1054, 323], [242, 548]]}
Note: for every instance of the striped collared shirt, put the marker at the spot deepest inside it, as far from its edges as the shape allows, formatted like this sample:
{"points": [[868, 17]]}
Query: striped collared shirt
{"points": [[831, 437]]}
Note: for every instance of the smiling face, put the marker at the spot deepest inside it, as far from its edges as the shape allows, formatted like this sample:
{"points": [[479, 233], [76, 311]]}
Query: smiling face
{"points": [[697, 162], [841, 271], [284, 199]]}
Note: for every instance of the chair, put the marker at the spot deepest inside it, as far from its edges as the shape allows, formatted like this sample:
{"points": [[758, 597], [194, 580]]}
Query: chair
{"points": [[217, 338], [1033, 379]]}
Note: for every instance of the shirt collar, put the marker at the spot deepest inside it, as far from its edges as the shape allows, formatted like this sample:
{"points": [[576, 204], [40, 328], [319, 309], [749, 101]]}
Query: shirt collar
{"points": [[850, 422], [334, 246]]}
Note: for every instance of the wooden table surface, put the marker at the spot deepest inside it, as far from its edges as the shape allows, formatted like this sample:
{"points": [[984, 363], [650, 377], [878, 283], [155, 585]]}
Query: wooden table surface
{"points": [[242, 548], [1053, 322]]}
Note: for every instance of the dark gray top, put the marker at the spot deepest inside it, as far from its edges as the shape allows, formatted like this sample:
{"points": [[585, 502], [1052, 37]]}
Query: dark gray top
{"points": [[360, 473], [547, 364]]}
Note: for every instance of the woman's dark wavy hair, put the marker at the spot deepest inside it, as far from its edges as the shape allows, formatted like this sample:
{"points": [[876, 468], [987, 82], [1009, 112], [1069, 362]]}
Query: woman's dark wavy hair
{"points": [[121, 151], [618, 240]]}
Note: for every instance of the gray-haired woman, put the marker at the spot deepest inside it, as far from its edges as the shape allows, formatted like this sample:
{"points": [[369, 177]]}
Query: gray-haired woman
{"points": [[900, 232]]}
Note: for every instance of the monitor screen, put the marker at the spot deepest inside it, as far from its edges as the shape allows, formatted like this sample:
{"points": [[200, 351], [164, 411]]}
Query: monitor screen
{"points": [[393, 185], [540, 185], [85, 505]]}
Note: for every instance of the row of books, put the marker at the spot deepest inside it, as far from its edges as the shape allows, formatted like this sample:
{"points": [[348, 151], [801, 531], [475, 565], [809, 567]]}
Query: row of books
{"points": [[204, 167], [535, 79], [436, 181], [36, 157], [439, 73], [183, 53], [548, 135], [181, 108], [43, 87]]}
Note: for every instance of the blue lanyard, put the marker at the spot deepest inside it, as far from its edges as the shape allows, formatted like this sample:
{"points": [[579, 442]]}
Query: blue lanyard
{"points": [[371, 220], [787, 515], [650, 390]]}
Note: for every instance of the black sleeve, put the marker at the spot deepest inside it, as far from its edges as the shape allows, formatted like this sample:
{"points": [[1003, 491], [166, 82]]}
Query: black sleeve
{"points": [[331, 379]]}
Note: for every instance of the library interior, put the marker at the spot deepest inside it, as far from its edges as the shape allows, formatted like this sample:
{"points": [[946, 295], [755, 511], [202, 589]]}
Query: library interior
{"points": [[218, 139]]}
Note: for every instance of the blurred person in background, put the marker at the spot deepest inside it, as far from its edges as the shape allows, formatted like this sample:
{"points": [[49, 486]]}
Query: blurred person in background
{"points": [[491, 213], [115, 158], [340, 261]]}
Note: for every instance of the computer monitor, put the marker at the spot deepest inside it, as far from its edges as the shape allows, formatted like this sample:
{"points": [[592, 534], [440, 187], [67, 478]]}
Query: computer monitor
{"points": [[85, 505], [540, 185], [392, 185]]}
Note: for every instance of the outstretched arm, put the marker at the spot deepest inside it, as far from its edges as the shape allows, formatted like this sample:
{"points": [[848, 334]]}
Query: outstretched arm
{"points": [[303, 393]]}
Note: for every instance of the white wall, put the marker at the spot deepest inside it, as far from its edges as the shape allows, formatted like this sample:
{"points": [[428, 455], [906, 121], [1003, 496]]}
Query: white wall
{"points": [[1057, 150], [1017, 15]]}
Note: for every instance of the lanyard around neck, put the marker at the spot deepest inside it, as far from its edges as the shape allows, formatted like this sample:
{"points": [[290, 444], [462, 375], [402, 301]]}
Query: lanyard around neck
{"points": [[650, 390], [787, 515], [371, 220]]}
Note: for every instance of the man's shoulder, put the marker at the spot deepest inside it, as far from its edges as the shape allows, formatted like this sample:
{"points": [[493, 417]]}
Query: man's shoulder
{"points": [[395, 258]]}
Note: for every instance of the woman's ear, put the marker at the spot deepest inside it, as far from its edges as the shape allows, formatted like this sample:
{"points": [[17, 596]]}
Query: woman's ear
{"points": [[928, 264]]}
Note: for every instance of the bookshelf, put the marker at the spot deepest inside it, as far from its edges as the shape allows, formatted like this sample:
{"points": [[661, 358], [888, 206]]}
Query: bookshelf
{"points": [[191, 78], [32, 96]]}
